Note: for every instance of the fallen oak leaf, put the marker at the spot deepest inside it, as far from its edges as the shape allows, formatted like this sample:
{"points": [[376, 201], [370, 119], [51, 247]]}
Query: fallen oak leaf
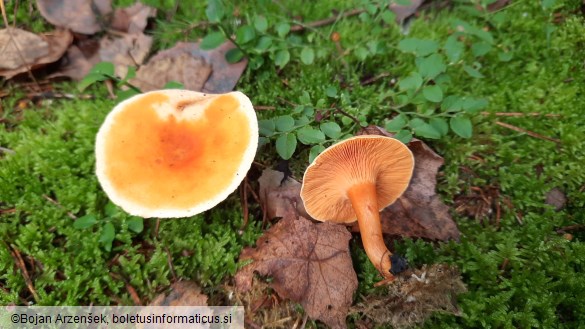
{"points": [[56, 43], [278, 198], [132, 19], [310, 264], [183, 293], [419, 212], [80, 16]]}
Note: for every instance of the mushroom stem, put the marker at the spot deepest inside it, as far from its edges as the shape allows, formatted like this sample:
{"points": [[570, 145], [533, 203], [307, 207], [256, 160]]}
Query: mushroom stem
{"points": [[364, 201]]}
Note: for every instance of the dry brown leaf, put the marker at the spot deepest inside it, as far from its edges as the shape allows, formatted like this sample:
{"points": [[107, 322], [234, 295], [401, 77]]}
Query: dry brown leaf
{"points": [[124, 51], [192, 72], [76, 64], [419, 212], [556, 198], [81, 16], [56, 43], [19, 45], [183, 293], [404, 11], [499, 4], [414, 296], [190, 65], [132, 19], [310, 264], [280, 199]]}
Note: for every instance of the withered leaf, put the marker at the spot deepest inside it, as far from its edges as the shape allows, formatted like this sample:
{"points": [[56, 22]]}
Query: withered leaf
{"points": [[404, 11], [310, 264], [51, 47], [183, 293], [556, 198], [81, 16], [192, 72], [124, 51], [190, 65], [280, 199], [132, 19], [419, 212], [414, 296], [76, 64]]}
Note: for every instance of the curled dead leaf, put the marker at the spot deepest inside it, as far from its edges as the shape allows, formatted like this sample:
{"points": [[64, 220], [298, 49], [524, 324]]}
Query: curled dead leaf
{"points": [[124, 51], [81, 16], [132, 19], [191, 65], [51, 47], [280, 199], [310, 264], [419, 212], [404, 11], [183, 293]]}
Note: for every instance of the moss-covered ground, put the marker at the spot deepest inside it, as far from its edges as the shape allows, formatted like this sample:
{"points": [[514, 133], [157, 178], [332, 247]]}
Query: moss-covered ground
{"points": [[523, 267]]}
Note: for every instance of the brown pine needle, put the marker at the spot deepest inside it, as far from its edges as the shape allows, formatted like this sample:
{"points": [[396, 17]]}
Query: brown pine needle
{"points": [[20, 264], [527, 132], [55, 202]]}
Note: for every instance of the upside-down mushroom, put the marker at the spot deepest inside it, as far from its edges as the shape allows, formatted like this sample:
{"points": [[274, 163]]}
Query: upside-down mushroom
{"points": [[356, 178], [175, 153]]}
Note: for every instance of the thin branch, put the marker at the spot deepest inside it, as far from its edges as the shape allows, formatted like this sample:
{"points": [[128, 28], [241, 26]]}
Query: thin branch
{"points": [[520, 114], [326, 21], [55, 202], [527, 132]]}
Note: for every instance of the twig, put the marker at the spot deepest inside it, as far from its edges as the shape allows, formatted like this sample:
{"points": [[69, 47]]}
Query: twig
{"points": [[48, 198], [528, 132], [264, 108], [520, 114], [20, 264], [574, 227], [170, 262], [326, 21], [5, 150], [133, 294], [376, 78]]}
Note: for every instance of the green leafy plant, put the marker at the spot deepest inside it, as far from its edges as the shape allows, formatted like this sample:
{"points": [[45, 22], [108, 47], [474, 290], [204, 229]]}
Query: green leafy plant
{"points": [[107, 224]]}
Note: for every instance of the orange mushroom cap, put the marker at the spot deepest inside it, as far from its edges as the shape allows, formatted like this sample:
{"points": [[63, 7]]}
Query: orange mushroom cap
{"points": [[386, 162], [175, 153]]}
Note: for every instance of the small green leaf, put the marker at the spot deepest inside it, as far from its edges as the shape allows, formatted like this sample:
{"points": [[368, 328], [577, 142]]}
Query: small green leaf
{"points": [[111, 210], [285, 123], [419, 47], [416, 122], [130, 74], [427, 131], [472, 72], [404, 136], [412, 82], [245, 34], [234, 55], [135, 224], [305, 98], [433, 93], [452, 103], [315, 151], [212, 40], [282, 58], [125, 94], [286, 145], [388, 16], [84, 221], [173, 85], [473, 105], [430, 67], [440, 125], [361, 53], [309, 135], [331, 129], [282, 29], [505, 56], [263, 44], [90, 79], [260, 23], [331, 91], [453, 49], [397, 123], [480, 48], [104, 68], [307, 55], [107, 236], [215, 11], [266, 127], [461, 126], [303, 120]]}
